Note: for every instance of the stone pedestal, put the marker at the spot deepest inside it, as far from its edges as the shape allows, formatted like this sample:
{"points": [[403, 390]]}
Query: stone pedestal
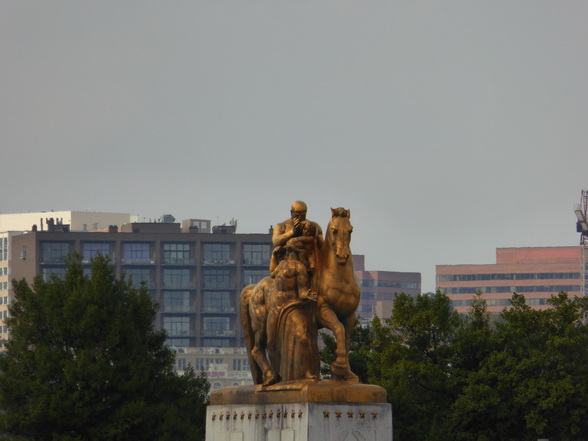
{"points": [[300, 411]]}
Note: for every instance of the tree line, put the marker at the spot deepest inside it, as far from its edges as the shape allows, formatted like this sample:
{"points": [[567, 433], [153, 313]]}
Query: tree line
{"points": [[519, 375], [84, 362]]}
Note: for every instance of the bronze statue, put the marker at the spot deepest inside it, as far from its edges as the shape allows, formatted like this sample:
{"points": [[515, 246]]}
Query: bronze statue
{"points": [[311, 285]]}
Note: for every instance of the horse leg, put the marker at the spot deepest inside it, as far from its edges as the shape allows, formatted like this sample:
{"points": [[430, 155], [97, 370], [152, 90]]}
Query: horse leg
{"points": [[349, 324], [258, 314], [259, 355], [327, 318]]}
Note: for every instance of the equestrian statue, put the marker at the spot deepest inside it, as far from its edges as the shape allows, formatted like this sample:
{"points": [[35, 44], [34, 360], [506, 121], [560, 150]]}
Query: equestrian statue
{"points": [[311, 285]]}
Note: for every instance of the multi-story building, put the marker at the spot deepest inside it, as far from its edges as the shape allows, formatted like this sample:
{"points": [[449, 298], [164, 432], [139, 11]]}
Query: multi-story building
{"points": [[379, 287], [536, 273], [12, 225], [195, 273]]}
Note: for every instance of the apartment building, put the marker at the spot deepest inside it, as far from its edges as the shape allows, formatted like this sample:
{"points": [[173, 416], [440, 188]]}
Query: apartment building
{"points": [[537, 273], [379, 287], [15, 224]]}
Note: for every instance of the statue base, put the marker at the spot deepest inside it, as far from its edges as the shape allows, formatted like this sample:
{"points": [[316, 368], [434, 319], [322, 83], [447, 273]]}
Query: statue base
{"points": [[300, 411]]}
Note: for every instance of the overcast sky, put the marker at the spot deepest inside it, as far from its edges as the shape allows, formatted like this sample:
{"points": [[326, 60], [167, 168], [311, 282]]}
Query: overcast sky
{"points": [[449, 128]]}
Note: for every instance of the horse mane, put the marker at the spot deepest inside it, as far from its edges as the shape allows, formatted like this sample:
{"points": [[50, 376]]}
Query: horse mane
{"points": [[340, 212]]}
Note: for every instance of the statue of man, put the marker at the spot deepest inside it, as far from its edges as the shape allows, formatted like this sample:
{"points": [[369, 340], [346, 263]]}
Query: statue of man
{"points": [[297, 227]]}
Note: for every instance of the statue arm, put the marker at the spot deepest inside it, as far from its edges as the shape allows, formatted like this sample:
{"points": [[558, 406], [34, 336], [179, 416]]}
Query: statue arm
{"points": [[281, 235], [319, 237], [302, 282]]}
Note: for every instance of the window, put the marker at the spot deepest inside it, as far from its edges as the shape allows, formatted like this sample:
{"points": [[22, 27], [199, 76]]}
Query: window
{"points": [[94, 249], [256, 254], [136, 253], [55, 252], [139, 276], [254, 276], [217, 253], [4, 250], [217, 301], [177, 326], [217, 326], [57, 272], [176, 253], [176, 278], [240, 364], [217, 278], [178, 342], [176, 301], [215, 343]]}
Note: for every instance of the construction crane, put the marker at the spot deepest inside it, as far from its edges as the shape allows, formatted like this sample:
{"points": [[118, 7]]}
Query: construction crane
{"points": [[582, 228]]}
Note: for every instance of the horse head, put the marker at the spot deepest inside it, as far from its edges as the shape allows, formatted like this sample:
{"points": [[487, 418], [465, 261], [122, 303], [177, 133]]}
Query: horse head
{"points": [[338, 234]]}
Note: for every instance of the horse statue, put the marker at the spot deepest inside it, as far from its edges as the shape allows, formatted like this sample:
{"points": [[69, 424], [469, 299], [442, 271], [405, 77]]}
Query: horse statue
{"points": [[338, 289], [281, 315]]}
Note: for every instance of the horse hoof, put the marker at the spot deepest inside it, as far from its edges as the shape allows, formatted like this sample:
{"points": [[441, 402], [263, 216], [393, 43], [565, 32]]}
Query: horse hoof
{"points": [[273, 379]]}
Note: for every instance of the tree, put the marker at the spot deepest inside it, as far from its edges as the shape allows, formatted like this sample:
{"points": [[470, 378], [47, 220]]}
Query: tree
{"points": [[534, 382], [360, 350], [414, 364], [83, 362]]}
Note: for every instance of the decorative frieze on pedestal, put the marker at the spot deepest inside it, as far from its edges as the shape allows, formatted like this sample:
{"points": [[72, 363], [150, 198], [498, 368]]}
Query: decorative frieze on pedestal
{"points": [[300, 422], [302, 411]]}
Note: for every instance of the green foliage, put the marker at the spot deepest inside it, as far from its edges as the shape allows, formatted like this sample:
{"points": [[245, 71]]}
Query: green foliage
{"points": [[84, 363], [359, 352], [523, 376]]}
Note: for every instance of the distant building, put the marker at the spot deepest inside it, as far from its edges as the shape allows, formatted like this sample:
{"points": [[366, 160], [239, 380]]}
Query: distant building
{"points": [[378, 289], [536, 273], [76, 220], [15, 224], [195, 272]]}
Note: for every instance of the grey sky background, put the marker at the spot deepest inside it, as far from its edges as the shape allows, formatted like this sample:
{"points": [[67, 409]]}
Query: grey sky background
{"points": [[448, 128]]}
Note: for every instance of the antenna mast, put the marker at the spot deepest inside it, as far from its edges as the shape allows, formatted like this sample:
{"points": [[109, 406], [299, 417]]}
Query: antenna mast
{"points": [[582, 228]]}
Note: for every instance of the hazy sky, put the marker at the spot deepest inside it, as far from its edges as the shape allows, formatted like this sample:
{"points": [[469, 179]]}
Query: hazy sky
{"points": [[449, 128]]}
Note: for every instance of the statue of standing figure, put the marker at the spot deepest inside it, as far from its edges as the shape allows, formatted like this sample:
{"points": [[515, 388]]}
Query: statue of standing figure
{"points": [[311, 285]]}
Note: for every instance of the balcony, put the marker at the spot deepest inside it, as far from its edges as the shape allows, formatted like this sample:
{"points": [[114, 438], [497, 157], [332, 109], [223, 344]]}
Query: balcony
{"points": [[219, 285], [178, 261], [54, 259], [179, 333], [174, 309], [138, 261], [148, 285], [211, 333], [219, 262], [256, 262], [87, 261], [178, 285], [221, 310]]}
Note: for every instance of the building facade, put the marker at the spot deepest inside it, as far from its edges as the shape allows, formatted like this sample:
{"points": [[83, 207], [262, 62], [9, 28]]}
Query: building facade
{"points": [[196, 278], [537, 273], [379, 287]]}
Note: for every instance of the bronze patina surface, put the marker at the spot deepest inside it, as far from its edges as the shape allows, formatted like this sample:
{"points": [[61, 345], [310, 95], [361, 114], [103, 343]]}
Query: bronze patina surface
{"points": [[312, 285], [301, 391]]}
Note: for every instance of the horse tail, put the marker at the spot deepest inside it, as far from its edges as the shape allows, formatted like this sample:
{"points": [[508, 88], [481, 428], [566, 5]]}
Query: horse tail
{"points": [[248, 333]]}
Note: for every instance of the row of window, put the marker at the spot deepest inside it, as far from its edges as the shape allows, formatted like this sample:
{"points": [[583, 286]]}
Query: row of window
{"points": [[180, 326], [401, 285], [499, 302], [175, 278], [202, 364], [180, 253], [506, 276], [511, 289], [212, 301], [3, 248]]}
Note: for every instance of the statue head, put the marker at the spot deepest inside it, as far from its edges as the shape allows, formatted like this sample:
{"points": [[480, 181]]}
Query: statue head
{"points": [[298, 210]]}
